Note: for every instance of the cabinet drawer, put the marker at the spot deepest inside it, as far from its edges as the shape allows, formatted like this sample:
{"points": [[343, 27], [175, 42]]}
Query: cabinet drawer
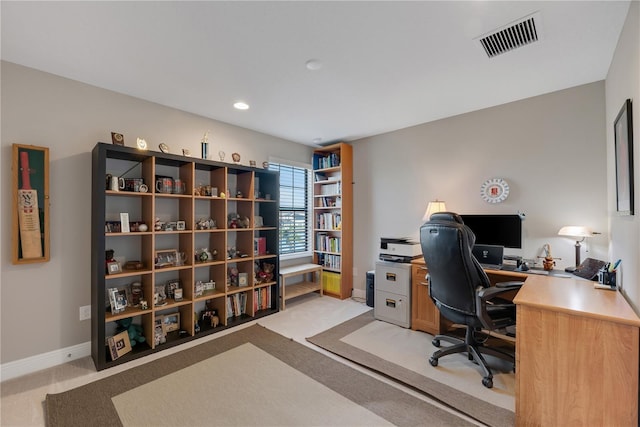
{"points": [[393, 277]]}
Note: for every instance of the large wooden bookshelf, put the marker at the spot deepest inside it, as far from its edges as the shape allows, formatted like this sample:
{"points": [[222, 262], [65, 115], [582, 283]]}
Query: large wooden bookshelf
{"points": [[333, 217], [202, 225]]}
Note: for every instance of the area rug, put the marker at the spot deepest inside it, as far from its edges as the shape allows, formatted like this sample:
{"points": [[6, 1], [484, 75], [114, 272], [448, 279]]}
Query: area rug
{"points": [[249, 377], [469, 397]]}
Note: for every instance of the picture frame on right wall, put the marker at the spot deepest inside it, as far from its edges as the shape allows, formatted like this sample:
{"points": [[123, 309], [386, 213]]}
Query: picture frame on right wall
{"points": [[623, 135]]}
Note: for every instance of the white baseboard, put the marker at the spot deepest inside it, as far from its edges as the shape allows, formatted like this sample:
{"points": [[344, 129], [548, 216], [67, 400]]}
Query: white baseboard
{"points": [[38, 362]]}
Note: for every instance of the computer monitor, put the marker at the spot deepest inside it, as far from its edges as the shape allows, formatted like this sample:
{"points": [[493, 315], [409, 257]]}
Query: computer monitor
{"points": [[502, 230]]}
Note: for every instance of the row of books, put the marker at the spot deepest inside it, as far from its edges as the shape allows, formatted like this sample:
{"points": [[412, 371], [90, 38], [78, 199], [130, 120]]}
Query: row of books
{"points": [[329, 221], [328, 243], [329, 202], [236, 304], [331, 189], [329, 261], [262, 298], [330, 160]]}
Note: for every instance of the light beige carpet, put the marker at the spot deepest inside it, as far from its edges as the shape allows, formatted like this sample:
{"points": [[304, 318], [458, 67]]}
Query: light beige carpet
{"points": [[402, 354], [251, 377]]}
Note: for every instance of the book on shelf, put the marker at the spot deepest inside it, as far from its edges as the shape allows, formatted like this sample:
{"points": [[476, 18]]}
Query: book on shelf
{"points": [[329, 221], [325, 161], [262, 298]]}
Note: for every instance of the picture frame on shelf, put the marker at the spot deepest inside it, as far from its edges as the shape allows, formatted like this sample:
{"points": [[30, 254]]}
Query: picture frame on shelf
{"points": [[172, 285], [623, 138], [124, 295], [166, 258], [119, 345], [117, 303], [181, 225], [124, 222], [171, 322], [114, 267]]}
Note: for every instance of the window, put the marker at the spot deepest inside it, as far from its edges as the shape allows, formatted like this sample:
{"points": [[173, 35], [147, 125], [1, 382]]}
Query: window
{"points": [[295, 191]]}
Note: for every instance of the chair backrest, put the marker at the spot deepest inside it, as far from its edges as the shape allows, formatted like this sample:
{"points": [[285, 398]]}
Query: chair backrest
{"points": [[454, 274]]}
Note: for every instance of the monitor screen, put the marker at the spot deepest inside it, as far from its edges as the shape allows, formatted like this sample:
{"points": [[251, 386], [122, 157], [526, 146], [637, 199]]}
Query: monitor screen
{"points": [[502, 230]]}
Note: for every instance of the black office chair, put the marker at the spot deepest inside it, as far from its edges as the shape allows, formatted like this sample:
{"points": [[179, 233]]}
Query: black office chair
{"points": [[462, 292]]}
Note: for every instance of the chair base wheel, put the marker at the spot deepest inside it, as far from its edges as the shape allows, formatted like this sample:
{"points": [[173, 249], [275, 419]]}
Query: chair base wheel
{"points": [[436, 343], [433, 361], [487, 382]]}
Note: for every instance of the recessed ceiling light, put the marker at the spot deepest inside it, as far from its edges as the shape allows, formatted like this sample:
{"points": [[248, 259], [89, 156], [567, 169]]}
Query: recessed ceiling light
{"points": [[241, 105], [313, 64]]}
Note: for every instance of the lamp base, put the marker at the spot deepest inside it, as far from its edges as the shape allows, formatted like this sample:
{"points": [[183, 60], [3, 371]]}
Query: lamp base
{"points": [[570, 269]]}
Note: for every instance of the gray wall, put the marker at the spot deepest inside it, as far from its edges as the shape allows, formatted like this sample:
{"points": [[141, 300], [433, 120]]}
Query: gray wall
{"points": [[551, 150], [40, 302], [623, 81]]}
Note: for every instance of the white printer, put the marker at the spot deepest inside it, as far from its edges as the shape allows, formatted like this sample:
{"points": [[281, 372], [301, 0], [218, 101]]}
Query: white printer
{"points": [[399, 249]]}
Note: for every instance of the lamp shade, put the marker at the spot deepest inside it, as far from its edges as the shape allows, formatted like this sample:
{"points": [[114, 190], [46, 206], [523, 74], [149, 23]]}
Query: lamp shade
{"points": [[433, 207], [575, 231]]}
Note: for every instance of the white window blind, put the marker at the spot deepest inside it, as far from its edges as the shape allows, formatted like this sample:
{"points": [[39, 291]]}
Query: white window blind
{"points": [[294, 208]]}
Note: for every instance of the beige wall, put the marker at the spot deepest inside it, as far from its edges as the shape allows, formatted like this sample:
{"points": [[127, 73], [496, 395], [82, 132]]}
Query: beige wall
{"points": [[623, 81], [551, 149], [40, 302]]}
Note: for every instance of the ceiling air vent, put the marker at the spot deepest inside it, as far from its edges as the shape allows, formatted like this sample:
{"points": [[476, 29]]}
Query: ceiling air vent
{"points": [[513, 36]]}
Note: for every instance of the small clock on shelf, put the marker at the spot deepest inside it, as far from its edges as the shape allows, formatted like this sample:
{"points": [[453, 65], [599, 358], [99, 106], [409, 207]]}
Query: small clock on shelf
{"points": [[494, 190]]}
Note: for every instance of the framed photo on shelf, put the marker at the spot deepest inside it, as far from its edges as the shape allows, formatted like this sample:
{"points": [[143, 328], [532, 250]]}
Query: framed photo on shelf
{"points": [[124, 222], [180, 226], [119, 345], [114, 267], [172, 285], [171, 322], [166, 258], [623, 135], [117, 301]]}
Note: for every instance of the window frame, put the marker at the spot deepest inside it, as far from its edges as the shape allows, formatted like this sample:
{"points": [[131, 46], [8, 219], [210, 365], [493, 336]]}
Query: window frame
{"points": [[308, 167]]}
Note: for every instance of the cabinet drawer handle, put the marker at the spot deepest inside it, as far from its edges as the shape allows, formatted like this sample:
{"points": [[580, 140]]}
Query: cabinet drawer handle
{"points": [[424, 283]]}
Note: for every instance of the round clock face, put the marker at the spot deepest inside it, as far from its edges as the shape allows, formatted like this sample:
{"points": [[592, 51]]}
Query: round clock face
{"points": [[494, 190], [142, 144]]}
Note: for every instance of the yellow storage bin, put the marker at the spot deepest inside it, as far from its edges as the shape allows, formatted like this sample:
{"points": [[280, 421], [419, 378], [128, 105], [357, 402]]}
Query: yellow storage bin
{"points": [[331, 282]]}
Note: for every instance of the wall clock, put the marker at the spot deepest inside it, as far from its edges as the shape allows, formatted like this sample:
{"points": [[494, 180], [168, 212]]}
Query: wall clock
{"points": [[494, 190]]}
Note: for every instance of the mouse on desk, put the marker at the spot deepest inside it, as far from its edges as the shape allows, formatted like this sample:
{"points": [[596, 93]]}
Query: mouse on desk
{"points": [[523, 266]]}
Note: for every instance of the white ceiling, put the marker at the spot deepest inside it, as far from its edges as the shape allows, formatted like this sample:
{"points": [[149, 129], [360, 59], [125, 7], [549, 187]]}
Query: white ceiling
{"points": [[385, 65]]}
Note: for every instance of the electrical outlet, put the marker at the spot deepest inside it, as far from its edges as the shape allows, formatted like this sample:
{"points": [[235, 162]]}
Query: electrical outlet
{"points": [[85, 312]]}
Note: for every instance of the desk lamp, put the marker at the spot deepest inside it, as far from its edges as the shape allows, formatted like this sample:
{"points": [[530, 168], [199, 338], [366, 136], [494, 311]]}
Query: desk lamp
{"points": [[575, 231], [434, 207]]}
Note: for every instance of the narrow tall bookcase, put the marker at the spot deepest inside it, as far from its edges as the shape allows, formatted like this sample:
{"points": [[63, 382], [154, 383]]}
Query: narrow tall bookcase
{"points": [[220, 249], [333, 217]]}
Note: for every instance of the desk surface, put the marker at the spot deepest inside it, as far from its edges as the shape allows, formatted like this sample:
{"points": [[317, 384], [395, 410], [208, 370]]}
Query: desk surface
{"points": [[576, 296]]}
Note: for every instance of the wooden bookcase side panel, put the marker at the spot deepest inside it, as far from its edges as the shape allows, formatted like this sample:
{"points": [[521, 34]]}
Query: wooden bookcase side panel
{"points": [[186, 206]]}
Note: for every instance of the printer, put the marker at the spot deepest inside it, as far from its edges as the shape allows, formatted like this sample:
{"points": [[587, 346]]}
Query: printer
{"points": [[399, 249]]}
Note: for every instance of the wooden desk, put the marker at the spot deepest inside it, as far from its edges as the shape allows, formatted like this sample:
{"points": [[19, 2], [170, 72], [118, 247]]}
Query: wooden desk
{"points": [[576, 355], [301, 288]]}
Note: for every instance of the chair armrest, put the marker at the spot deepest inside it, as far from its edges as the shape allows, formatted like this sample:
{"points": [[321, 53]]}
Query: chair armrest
{"points": [[510, 285], [485, 294]]}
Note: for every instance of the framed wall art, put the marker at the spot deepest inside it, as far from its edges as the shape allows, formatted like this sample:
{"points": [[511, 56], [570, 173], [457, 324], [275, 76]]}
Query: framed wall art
{"points": [[623, 135], [30, 192]]}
